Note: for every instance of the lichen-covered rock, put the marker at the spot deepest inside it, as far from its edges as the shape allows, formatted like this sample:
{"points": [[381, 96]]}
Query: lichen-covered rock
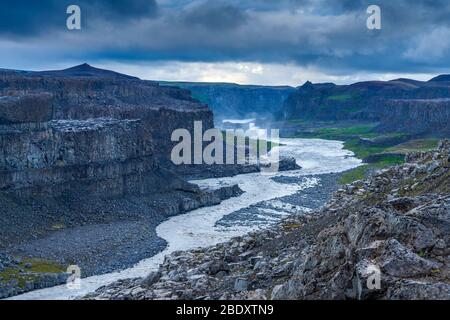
{"points": [[419, 290]]}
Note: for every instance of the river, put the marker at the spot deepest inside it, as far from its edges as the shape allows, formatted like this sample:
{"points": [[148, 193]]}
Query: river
{"points": [[265, 201]]}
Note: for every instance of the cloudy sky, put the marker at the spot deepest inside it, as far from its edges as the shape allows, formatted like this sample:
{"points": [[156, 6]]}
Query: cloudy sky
{"points": [[272, 42]]}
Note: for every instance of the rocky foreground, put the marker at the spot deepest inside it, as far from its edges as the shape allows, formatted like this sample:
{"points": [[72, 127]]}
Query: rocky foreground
{"points": [[393, 227]]}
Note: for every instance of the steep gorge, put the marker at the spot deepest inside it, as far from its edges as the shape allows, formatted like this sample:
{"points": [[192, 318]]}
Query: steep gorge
{"points": [[233, 101], [85, 149]]}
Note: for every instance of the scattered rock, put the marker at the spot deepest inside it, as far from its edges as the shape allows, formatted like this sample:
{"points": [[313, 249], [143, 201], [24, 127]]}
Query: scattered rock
{"points": [[151, 279], [375, 239], [398, 261]]}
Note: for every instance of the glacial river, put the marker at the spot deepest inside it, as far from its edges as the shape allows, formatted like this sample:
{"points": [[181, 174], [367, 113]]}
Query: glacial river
{"points": [[199, 228]]}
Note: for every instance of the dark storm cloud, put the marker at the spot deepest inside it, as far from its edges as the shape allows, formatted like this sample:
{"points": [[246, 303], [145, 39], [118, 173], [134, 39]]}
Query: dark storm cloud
{"points": [[214, 16], [26, 18], [328, 34]]}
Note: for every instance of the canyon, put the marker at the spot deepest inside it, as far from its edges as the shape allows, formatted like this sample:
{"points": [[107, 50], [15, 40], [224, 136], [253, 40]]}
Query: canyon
{"points": [[400, 105], [83, 147], [233, 101], [85, 166]]}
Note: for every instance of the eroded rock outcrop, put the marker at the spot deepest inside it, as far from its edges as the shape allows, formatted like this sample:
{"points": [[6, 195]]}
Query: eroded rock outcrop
{"points": [[89, 130]]}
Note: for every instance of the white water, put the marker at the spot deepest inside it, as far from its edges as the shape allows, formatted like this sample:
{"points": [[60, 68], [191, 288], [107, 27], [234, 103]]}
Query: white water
{"points": [[238, 121], [198, 228]]}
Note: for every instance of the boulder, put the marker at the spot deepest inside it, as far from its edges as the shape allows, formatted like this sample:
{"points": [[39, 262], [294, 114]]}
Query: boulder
{"points": [[151, 279], [397, 260]]}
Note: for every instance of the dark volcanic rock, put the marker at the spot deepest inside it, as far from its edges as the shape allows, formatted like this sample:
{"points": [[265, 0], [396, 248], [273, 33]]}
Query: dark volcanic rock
{"points": [[417, 116], [68, 154], [89, 130]]}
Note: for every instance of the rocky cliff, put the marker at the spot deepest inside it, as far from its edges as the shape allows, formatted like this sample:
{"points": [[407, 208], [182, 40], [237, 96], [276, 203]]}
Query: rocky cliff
{"points": [[84, 127], [387, 102], [417, 116], [382, 238]]}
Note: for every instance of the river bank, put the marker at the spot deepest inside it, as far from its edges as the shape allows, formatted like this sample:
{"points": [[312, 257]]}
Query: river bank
{"points": [[97, 244]]}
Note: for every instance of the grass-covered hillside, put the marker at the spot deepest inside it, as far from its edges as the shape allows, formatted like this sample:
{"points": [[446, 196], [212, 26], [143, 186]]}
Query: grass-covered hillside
{"points": [[377, 150]]}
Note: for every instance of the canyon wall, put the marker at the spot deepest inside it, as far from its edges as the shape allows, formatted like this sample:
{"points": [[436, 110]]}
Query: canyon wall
{"points": [[105, 136], [399, 105], [239, 101], [417, 116]]}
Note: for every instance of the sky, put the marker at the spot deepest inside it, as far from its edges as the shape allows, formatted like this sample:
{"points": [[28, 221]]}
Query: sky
{"points": [[271, 42]]}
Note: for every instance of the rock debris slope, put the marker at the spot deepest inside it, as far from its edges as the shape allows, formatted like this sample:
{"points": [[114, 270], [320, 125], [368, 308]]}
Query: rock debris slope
{"points": [[396, 224]]}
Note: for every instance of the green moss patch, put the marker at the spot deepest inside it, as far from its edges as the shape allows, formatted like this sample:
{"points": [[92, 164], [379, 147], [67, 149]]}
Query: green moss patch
{"points": [[38, 267], [415, 145], [340, 97], [344, 133], [291, 226]]}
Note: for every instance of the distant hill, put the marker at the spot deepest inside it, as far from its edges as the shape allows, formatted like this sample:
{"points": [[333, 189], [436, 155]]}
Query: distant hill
{"points": [[443, 77], [84, 70]]}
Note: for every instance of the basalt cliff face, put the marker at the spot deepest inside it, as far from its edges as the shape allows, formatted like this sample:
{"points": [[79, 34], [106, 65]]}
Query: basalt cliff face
{"points": [[417, 107], [108, 134], [417, 116], [382, 238]]}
